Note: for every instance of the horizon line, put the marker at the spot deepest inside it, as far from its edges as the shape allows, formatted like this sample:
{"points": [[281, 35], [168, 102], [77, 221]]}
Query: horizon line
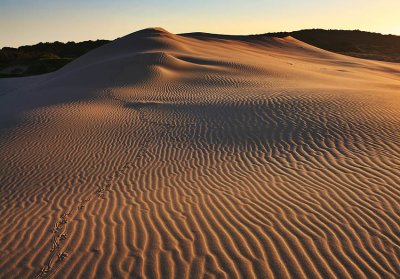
{"points": [[226, 34]]}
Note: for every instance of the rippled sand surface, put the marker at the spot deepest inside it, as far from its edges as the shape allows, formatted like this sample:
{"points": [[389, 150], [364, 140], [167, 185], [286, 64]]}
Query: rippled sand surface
{"points": [[169, 156]]}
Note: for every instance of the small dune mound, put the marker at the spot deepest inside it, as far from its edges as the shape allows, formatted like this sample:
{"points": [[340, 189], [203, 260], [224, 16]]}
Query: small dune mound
{"points": [[152, 31]]}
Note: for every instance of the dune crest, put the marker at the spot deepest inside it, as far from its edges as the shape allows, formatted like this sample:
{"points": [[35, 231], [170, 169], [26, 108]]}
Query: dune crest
{"points": [[162, 155]]}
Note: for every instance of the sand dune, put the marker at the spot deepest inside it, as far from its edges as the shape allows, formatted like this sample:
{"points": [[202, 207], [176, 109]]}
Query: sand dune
{"points": [[168, 156]]}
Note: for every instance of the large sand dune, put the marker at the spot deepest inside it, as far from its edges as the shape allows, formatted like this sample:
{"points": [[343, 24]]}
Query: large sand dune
{"points": [[168, 156]]}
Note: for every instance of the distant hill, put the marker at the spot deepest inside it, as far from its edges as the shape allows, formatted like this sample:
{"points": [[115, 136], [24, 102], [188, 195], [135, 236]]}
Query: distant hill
{"points": [[354, 43], [42, 58], [47, 57]]}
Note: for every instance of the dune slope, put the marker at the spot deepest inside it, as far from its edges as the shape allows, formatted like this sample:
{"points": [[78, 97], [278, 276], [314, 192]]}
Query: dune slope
{"points": [[167, 156]]}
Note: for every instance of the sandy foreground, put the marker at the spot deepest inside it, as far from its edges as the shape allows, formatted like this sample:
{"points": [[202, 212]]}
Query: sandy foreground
{"points": [[168, 156]]}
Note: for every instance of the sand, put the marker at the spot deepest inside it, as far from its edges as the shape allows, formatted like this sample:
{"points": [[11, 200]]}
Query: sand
{"points": [[170, 156]]}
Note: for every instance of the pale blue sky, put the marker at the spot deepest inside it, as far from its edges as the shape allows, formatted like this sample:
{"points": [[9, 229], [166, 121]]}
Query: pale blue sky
{"points": [[27, 22]]}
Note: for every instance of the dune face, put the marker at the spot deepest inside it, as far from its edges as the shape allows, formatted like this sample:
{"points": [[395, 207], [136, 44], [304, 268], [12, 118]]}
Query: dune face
{"points": [[167, 156]]}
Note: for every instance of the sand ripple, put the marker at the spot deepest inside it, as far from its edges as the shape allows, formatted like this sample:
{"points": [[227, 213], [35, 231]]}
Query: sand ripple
{"points": [[166, 156]]}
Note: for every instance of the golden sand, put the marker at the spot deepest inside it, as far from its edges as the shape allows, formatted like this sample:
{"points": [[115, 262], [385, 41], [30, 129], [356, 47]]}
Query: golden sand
{"points": [[168, 156]]}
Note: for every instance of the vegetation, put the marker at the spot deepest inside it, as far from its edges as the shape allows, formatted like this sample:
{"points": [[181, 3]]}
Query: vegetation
{"points": [[42, 58]]}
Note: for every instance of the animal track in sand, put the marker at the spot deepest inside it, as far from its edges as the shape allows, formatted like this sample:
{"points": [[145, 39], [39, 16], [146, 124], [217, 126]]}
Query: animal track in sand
{"points": [[57, 255]]}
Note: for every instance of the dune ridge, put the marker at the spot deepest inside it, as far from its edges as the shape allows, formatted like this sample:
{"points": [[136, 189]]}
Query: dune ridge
{"points": [[168, 156]]}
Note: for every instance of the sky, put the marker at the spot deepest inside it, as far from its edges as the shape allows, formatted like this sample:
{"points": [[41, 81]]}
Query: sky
{"points": [[24, 22]]}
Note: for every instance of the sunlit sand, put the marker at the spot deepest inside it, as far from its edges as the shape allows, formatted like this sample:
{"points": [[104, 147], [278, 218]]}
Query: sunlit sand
{"points": [[169, 156]]}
